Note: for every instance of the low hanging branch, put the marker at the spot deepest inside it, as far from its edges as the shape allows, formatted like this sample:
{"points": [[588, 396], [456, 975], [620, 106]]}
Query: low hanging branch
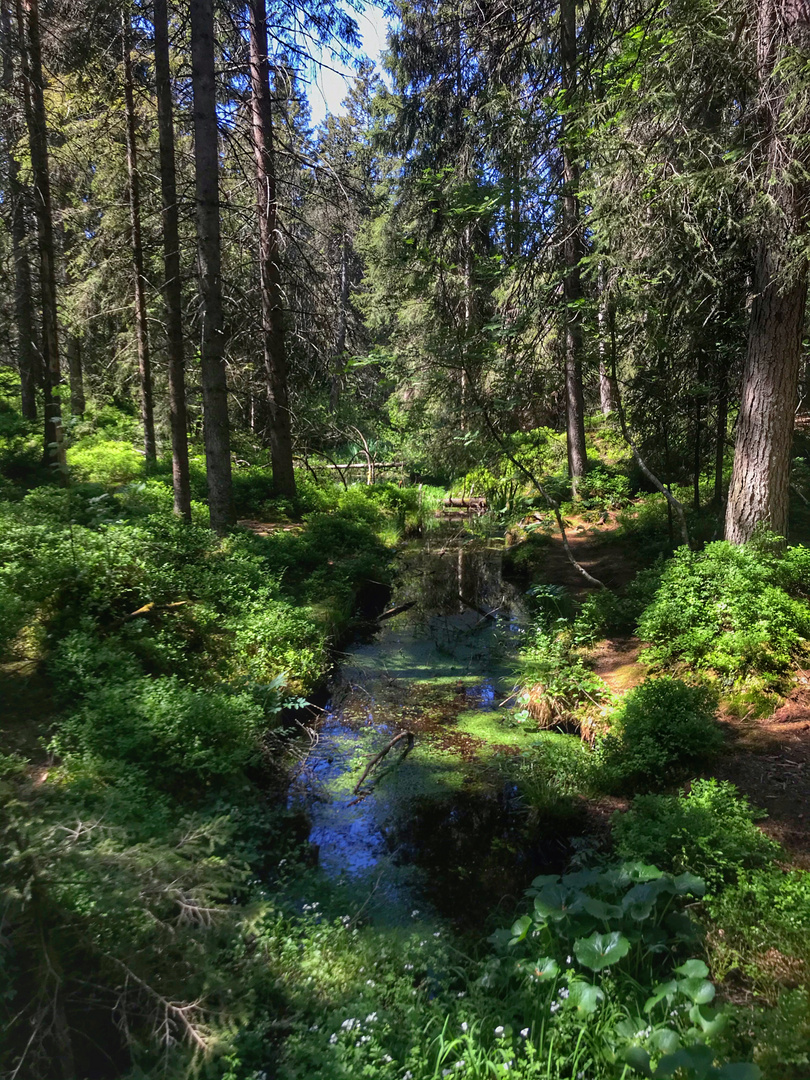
{"points": [[676, 505], [555, 506], [378, 757]]}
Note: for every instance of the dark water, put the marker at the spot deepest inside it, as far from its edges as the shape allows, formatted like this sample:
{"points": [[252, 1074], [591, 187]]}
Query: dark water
{"points": [[441, 821]]}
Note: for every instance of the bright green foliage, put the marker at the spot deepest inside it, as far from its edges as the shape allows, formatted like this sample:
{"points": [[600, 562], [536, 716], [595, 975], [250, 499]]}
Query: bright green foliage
{"points": [[710, 831], [736, 610], [606, 613], [661, 729], [767, 908], [611, 944], [551, 667]]}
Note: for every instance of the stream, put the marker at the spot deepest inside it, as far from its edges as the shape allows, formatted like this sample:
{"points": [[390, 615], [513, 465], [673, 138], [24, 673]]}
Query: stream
{"points": [[439, 822]]}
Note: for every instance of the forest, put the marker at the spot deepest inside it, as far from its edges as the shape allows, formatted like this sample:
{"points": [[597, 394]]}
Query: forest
{"points": [[404, 540]]}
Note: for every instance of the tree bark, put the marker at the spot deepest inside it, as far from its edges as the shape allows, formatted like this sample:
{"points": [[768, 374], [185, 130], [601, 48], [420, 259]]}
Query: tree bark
{"points": [[273, 330], [607, 346], [75, 374], [34, 99], [720, 434], [141, 327], [172, 285], [760, 481], [572, 253], [216, 429], [27, 360]]}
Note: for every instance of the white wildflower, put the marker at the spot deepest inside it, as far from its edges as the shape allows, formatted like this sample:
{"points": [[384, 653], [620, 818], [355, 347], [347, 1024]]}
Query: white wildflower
{"points": [[464, 1025], [371, 1018], [564, 993], [525, 1033], [499, 1030], [333, 1039]]}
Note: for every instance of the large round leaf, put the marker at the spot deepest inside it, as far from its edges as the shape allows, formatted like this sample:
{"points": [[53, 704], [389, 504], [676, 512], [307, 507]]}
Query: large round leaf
{"points": [[601, 950], [585, 996]]}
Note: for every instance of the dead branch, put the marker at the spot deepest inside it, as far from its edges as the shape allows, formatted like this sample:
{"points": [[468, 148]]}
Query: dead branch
{"points": [[378, 757]]}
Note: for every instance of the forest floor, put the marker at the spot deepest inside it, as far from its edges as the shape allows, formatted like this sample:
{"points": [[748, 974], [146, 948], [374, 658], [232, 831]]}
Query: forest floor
{"points": [[768, 758]]}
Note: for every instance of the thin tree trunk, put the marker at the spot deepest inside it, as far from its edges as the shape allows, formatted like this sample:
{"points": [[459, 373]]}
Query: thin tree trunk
{"points": [[216, 428], [27, 360], [34, 98], [697, 460], [607, 345], [340, 337], [720, 435], [572, 253], [760, 481], [273, 330], [75, 374], [141, 328], [172, 285]]}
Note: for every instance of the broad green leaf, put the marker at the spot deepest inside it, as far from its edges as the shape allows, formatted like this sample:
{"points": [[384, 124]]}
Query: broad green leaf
{"points": [[601, 950], [697, 1058], [520, 928], [638, 1059], [546, 968], [581, 879], [701, 991], [740, 1070], [689, 884], [600, 910], [585, 996], [665, 990], [555, 902], [693, 969], [711, 1021], [545, 879], [664, 1041]]}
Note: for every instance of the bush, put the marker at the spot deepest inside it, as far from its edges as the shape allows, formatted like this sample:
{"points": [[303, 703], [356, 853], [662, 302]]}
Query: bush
{"points": [[711, 831], [606, 613], [661, 729], [105, 461], [175, 732], [736, 610]]}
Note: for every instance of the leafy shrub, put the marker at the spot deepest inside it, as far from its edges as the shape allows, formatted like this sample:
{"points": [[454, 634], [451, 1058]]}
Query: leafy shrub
{"points": [[106, 462], [273, 638], [766, 909], [173, 731], [710, 831], [555, 770], [556, 680], [593, 931], [606, 613], [734, 609], [661, 729], [604, 488]]}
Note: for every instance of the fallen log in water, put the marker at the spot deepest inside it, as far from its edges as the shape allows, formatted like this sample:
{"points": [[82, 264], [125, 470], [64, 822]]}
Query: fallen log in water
{"points": [[396, 611], [378, 757]]}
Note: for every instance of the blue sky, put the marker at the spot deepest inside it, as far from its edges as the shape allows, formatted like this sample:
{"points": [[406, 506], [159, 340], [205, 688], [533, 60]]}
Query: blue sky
{"points": [[328, 87]]}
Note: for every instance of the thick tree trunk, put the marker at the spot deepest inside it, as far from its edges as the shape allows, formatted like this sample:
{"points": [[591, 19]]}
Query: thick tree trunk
{"points": [[73, 350], [172, 285], [572, 253], [141, 327], [216, 428], [760, 480], [27, 361], [273, 330], [34, 98]]}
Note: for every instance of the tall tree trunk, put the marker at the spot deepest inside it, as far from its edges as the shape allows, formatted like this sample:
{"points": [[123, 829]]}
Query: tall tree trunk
{"points": [[75, 374], [216, 429], [607, 343], [141, 328], [572, 253], [760, 480], [720, 434], [273, 331], [172, 285], [343, 318], [27, 360], [34, 98]]}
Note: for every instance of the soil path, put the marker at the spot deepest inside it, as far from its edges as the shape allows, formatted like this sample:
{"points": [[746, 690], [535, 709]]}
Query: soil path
{"points": [[769, 761], [596, 549]]}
